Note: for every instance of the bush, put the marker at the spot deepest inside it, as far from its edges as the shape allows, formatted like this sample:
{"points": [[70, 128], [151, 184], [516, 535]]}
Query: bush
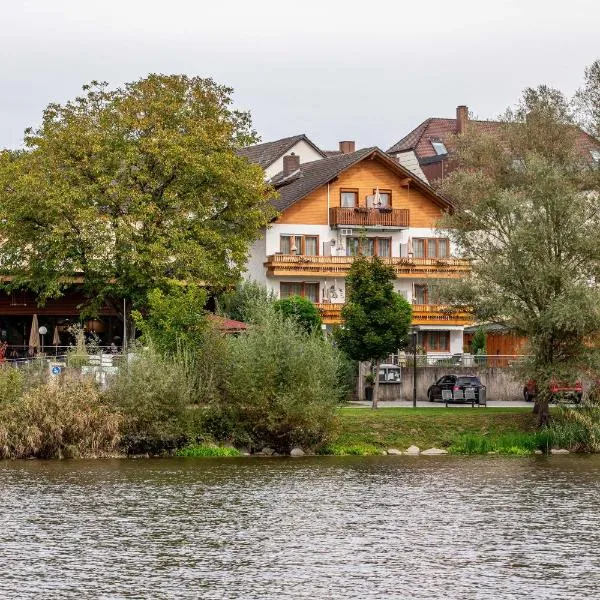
{"points": [[280, 388], [60, 419], [246, 302], [577, 428], [153, 393], [12, 384], [303, 311], [175, 319]]}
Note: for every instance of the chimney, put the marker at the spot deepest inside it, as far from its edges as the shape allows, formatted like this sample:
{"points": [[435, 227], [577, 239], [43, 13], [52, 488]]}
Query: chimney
{"points": [[347, 147], [462, 116], [291, 163]]}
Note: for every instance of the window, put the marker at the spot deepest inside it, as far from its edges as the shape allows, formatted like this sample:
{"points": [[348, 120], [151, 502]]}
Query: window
{"points": [[431, 247], [384, 246], [349, 198], [420, 294], [307, 245], [418, 248], [310, 291], [439, 147], [372, 246], [385, 198], [434, 341]]}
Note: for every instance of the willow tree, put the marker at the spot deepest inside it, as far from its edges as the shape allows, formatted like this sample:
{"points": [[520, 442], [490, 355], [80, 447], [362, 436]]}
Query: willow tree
{"points": [[528, 214], [126, 190], [376, 319]]}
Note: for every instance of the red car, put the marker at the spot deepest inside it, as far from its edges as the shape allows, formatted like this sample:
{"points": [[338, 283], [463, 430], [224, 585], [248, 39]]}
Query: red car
{"points": [[558, 389]]}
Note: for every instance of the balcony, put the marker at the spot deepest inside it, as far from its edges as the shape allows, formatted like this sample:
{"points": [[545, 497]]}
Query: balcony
{"points": [[282, 265], [369, 217], [423, 314]]}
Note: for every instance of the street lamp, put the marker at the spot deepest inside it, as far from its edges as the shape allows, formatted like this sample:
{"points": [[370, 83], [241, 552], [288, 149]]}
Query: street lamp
{"points": [[43, 331], [415, 334]]}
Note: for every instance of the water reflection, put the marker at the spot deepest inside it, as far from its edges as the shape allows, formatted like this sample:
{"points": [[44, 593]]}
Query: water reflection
{"points": [[385, 527]]}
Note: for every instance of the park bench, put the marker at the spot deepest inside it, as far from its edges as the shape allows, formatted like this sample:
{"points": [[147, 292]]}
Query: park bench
{"points": [[466, 396]]}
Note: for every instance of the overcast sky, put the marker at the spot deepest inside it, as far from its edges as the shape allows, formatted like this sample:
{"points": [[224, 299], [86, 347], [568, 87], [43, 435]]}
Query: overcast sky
{"points": [[370, 70]]}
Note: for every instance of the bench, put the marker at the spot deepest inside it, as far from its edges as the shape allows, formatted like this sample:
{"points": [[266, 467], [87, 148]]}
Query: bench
{"points": [[466, 396]]}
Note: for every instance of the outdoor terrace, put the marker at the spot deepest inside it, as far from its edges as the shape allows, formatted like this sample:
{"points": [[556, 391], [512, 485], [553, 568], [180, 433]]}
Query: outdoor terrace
{"points": [[423, 314], [338, 266]]}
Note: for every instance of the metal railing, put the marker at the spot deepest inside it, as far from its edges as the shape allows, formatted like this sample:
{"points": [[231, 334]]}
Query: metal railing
{"points": [[363, 216], [481, 361]]}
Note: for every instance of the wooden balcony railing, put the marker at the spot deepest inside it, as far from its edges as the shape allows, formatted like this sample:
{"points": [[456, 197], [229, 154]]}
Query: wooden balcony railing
{"points": [[280, 265], [423, 314], [365, 217]]}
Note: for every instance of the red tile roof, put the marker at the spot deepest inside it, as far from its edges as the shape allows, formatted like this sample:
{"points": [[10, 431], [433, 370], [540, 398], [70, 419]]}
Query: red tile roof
{"points": [[225, 325], [419, 139]]}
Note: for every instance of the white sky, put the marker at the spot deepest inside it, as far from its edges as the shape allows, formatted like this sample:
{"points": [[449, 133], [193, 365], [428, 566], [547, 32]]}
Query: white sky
{"points": [[368, 70]]}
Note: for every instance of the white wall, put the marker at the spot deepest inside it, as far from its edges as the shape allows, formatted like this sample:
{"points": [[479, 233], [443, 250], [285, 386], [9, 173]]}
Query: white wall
{"points": [[305, 151], [255, 268], [410, 161]]}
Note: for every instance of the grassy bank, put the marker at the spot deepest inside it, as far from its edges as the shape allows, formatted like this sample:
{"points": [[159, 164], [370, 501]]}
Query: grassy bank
{"points": [[459, 430]]}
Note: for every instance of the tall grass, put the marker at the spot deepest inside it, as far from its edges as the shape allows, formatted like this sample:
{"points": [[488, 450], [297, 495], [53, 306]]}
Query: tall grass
{"points": [[66, 419]]}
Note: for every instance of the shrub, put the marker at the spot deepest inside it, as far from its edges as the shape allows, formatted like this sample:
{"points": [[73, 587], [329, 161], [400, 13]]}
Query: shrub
{"points": [[175, 319], [153, 393], [280, 387], [246, 302], [303, 311], [577, 428], [12, 384], [56, 420]]}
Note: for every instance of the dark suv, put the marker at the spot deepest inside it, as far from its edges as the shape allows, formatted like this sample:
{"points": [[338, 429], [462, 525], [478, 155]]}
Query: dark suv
{"points": [[455, 383]]}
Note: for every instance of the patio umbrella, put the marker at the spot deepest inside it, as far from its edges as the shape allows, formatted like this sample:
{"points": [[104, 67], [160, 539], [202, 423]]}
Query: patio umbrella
{"points": [[56, 337], [34, 335]]}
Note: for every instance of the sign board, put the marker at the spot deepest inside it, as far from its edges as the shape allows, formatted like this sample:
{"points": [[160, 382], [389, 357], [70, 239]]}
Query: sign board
{"points": [[56, 370]]}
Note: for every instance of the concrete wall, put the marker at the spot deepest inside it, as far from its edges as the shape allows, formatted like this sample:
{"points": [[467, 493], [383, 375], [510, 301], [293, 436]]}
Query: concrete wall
{"points": [[500, 383]]}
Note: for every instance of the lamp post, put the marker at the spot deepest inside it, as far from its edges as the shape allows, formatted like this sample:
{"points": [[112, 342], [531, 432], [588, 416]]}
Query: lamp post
{"points": [[43, 331], [414, 348]]}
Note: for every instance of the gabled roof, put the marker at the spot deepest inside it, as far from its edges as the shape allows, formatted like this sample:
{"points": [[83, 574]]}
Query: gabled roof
{"points": [[267, 153], [312, 175], [420, 138]]}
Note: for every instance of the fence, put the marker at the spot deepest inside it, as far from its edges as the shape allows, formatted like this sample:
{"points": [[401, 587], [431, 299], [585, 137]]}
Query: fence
{"points": [[482, 361]]}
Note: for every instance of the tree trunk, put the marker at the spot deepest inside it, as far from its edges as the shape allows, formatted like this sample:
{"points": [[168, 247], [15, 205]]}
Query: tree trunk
{"points": [[541, 408], [376, 387]]}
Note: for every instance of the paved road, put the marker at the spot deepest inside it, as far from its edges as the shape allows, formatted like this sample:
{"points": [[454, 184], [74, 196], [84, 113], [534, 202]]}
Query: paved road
{"points": [[425, 404]]}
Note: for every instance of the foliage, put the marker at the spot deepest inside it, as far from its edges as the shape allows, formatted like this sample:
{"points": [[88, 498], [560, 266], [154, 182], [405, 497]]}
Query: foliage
{"points": [[302, 310], [479, 340], [526, 213], [280, 388], [153, 393], [174, 319], [376, 319], [578, 427], [246, 302], [587, 100], [135, 187], [203, 450], [354, 450], [56, 420], [12, 384]]}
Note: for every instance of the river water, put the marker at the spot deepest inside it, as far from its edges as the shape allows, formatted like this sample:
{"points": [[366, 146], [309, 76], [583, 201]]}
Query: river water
{"points": [[253, 528]]}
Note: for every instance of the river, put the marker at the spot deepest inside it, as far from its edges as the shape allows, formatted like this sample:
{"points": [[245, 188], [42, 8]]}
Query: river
{"points": [[254, 528]]}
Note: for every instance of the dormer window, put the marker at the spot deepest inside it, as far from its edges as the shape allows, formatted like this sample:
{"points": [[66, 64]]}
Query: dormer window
{"points": [[439, 147]]}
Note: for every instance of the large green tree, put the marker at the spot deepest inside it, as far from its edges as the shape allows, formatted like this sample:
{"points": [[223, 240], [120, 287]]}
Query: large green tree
{"points": [[527, 213], [376, 319], [131, 188]]}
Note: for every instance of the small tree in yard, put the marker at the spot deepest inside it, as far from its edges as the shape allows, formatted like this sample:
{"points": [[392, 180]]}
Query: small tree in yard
{"points": [[376, 319], [526, 212], [302, 310]]}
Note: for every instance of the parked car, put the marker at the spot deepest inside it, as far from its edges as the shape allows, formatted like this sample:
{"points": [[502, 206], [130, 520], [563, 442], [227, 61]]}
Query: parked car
{"points": [[455, 383], [559, 390]]}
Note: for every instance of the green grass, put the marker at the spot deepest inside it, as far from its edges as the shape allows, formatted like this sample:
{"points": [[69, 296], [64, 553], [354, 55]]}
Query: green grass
{"points": [[202, 450], [461, 430]]}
